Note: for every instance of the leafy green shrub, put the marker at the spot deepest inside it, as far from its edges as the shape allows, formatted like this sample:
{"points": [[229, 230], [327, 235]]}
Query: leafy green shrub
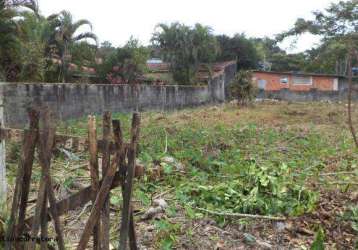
{"points": [[352, 215], [13, 151], [258, 190], [166, 234], [242, 88], [318, 243]]}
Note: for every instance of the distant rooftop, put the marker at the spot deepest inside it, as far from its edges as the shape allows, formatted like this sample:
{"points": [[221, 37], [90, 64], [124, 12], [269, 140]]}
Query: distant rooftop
{"points": [[298, 73], [158, 67], [218, 69]]}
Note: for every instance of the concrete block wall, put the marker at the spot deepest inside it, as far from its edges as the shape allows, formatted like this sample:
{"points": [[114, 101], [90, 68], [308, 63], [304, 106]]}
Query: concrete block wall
{"points": [[69, 101]]}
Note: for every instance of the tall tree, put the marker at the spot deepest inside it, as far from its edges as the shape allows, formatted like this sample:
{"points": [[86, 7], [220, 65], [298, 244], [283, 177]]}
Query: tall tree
{"points": [[34, 33], [83, 54], [105, 50], [338, 27], [238, 48], [185, 47], [337, 24], [330, 57], [125, 65], [9, 40], [65, 35]]}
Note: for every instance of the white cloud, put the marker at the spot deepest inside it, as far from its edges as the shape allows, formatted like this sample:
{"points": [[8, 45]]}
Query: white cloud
{"points": [[117, 20]]}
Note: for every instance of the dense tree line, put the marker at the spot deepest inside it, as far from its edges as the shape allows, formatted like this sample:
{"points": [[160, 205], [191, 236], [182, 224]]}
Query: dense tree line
{"points": [[338, 27], [38, 48], [34, 47], [185, 48]]}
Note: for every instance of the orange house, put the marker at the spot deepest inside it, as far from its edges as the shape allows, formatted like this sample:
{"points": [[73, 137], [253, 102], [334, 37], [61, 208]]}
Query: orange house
{"points": [[274, 81]]}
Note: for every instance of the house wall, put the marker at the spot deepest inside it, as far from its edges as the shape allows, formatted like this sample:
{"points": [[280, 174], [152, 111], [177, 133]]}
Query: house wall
{"points": [[324, 83], [69, 101]]}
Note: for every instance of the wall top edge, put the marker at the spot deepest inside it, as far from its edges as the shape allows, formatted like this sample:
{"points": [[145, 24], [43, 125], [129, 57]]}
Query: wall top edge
{"points": [[101, 84]]}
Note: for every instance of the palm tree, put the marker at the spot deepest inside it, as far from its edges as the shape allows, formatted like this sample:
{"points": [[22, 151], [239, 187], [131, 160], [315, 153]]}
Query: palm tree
{"points": [[34, 33], [185, 48], [65, 36], [30, 4], [9, 40]]}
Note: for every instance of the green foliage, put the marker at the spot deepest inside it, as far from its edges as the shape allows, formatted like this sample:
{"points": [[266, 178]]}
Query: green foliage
{"points": [[288, 62], [125, 65], [254, 184], [352, 215], [354, 218], [13, 152], [63, 37], [68, 182], [318, 243], [258, 53], [185, 48], [105, 49], [265, 161], [242, 88], [330, 57], [34, 32], [30, 43], [83, 54], [166, 234], [338, 20], [10, 49], [272, 57], [337, 26], [257, 190], [35, 48], [238, 48]]}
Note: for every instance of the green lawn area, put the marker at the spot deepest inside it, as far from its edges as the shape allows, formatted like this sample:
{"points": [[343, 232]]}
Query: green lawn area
{"points": [[279, 159]]}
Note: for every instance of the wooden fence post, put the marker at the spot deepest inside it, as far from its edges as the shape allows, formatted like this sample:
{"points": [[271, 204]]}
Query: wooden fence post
{"points": [[3, 182], [106, 161], [93, 150], [127, 215]]}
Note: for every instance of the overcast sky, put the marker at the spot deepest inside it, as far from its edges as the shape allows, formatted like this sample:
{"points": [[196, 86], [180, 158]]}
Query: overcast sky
{"points": [[117, 20]]}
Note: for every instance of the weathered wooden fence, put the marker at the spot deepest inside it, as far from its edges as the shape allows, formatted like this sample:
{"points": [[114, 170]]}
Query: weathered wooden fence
{"points": [[2, 156], [118, 169]]}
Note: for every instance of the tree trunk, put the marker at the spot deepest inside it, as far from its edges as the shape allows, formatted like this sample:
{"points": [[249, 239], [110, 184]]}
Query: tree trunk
{"points": [[64, 64], [350, 84]]}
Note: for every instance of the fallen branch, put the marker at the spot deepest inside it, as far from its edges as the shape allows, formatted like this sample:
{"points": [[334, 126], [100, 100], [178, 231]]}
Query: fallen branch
{"points": [[337, 173], [78, 167], [163, 193], [334, 173], [166, 142], [252, 216]]}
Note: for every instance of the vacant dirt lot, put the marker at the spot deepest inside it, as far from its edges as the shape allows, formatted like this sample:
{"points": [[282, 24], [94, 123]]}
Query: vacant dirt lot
{"points": [[290, 160]]}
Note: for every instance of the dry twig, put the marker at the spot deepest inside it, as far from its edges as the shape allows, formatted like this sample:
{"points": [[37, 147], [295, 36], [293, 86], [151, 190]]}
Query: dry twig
{"points": [[252, 216]]}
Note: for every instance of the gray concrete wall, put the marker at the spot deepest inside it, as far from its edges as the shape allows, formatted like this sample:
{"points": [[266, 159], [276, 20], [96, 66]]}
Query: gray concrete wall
{"points": [[229, 75], [70, 101], [230, 72], [307, 96]]}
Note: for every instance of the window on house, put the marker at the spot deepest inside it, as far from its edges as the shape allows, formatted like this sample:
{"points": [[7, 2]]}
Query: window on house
{"points": [[302, 80], [284, 80]]}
